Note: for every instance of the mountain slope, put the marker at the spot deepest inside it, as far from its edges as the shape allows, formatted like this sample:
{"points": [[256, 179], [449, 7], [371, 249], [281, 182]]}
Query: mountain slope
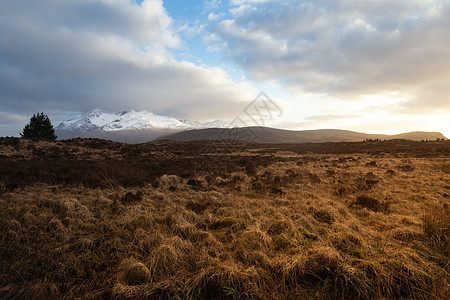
{"points": [[273, 135], [127, 126]]}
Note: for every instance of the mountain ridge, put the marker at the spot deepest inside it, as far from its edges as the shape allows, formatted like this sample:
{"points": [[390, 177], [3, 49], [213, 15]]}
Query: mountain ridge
{"points": [[143, 125], [134, 127], [269, 135]]}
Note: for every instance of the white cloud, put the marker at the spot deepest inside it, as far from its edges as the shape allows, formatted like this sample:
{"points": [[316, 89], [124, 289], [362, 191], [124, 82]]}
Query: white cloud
{"points": [[214, 17], [348, 49], [241, 10], [250, 46], [215, 44], [76, 55], [212, 4], [240, 2]]}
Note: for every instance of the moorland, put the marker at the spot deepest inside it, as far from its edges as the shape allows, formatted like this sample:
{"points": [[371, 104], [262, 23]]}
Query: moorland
{"points": [[93, 219]]}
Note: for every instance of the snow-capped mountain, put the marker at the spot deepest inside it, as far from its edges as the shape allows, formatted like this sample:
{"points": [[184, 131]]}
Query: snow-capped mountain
{"points": [[130, 120], [100, 124]]}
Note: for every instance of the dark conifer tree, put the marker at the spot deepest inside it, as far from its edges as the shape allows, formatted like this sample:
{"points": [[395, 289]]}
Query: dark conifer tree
{"points": [[39, 127]]}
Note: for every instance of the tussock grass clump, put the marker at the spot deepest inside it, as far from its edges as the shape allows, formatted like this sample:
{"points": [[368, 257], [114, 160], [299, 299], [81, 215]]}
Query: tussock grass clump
{"points": [[323, 215], [372, 204], [36, 291], [280, 226], [165, 262], [256, 239], [405, 274], [171, 183], [331, 276], [283, 241], [405, 168], [197, 184], [127, 292], [372, 164], [226, 280], [406, 234], [197, 207], [131, 197], [436, 226], [348, 243], [314, 178], [132, 272], [445, 168], [390, 172], [321, 263]]}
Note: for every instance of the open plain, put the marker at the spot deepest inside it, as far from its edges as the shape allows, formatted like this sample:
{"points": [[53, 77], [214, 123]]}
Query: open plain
{"points": [[93, 219]]}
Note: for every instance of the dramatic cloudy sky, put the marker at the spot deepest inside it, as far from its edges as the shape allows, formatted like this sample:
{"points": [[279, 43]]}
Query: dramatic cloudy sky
{"points": [[372, 66]]}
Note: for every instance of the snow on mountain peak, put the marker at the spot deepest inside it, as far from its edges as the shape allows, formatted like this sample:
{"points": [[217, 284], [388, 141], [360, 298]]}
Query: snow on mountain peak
{"points": [[132, 120], [123, 112]]}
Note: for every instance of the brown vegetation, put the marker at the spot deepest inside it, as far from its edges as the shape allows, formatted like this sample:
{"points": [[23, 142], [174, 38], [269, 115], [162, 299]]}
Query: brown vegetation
{"points": [[95, 219]]}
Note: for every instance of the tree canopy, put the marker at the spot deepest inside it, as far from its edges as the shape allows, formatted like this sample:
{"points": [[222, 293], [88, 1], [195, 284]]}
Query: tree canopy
{"points": [[39, 127]]}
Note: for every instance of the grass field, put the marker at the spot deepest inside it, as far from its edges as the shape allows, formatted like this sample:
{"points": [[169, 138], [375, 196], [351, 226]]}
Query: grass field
{"points": [[94, 219]]}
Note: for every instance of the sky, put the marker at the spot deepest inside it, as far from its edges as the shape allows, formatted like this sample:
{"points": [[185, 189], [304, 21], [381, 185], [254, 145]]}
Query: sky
{"points": [[380, 66]]}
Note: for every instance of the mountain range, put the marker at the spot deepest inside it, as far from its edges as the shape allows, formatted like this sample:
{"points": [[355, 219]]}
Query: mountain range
{"points": [[128, 126], [134, 127]]}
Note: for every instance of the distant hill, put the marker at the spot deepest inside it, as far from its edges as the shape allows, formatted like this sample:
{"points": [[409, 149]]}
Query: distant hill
{"points": [[272, 135]]}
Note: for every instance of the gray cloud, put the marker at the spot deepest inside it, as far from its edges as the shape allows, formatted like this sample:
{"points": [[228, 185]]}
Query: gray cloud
{"points": [[68, 57], [11, 118], [347, 48], [11, 124], [434, 97]]}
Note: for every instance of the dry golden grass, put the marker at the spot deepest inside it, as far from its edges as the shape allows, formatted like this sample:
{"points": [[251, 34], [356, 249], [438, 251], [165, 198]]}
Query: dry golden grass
{"points": [[307, 226]]}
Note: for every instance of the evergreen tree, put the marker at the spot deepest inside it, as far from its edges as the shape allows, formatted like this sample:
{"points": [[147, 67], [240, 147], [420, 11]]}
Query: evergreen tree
{"points": [[39, 127]]}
